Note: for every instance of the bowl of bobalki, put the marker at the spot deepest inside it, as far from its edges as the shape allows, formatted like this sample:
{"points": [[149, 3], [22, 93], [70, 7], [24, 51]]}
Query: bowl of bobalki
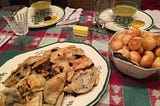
{"points": [[135, 52]]}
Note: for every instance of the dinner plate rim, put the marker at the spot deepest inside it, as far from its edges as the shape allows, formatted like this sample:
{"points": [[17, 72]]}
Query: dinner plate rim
{"points": [[46, 25], [107, 76], [140, 11]]}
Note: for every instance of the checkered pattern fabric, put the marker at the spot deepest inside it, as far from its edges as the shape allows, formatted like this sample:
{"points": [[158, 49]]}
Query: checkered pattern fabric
{"points": [[122, 90]]}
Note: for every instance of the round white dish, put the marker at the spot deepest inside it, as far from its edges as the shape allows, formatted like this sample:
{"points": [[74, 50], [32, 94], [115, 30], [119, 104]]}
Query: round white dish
{"points": [[140, 15], [56, 11], [89, 98]]}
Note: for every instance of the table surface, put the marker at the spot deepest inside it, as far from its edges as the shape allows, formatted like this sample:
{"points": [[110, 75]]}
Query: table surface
{"points": [[122, 89]]}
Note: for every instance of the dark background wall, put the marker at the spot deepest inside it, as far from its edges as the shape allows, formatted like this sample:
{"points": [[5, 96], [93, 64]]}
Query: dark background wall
{"points": [[61, 3]]}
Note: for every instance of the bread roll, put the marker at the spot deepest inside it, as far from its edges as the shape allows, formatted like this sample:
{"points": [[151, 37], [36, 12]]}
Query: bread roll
{"points": [[150, 53], [135, 57], [140, 50], [119, 36], [126, 39], [157, 52], [146, 61], [135, 32], [134, 44], [156, 63], [148, 34], [157, 40], [148, 43], [116, 44], [125, 47], [124, 52]]}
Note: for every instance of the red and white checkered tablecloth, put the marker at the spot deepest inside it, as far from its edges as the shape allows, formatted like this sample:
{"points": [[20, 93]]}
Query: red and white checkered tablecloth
{"points": [[122, 90]]}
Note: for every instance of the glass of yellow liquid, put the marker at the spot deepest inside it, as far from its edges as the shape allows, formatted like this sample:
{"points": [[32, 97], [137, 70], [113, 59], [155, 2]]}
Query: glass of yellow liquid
{"points": [[41, 10], [124, 11], [40, 4]]}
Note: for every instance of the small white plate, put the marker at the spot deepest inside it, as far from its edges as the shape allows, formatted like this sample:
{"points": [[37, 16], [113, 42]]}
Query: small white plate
{"points": [[87, 99], [140, 15], [56, 11]]}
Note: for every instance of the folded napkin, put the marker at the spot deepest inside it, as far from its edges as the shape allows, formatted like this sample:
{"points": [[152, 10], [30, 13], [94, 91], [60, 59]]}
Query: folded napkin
{"points": [[155, 14], [71, 16], [4, 38]]}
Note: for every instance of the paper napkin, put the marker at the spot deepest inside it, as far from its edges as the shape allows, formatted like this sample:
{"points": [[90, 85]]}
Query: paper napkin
{"points": [[4, 38], [155, 15], [71, 16]]}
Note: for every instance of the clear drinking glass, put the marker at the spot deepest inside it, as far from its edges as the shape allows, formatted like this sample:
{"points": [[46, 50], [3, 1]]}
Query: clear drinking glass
{"points": [[124, 10], [100, 6], [18, 21]]}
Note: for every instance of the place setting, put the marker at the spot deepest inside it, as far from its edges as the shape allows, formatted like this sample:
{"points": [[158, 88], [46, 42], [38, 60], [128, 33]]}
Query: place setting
{"points": [[124, 15], [42, 14]]}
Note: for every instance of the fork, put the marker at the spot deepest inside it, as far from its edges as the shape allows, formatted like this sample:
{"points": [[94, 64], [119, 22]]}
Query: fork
{"points": [[71, 14]]}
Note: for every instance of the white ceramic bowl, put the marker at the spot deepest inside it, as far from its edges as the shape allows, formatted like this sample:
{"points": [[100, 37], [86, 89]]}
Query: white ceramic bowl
{"points": [[129, 68]]}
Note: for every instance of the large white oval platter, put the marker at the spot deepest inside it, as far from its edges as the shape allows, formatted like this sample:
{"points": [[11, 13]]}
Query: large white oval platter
{"points": [[87, 99]]}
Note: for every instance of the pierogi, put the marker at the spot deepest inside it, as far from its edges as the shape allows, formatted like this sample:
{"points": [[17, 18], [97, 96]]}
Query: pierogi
{"points": [[45, 80]]}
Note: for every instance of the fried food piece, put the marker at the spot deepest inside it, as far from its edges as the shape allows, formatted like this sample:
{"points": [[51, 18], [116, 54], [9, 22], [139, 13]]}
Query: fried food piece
{"points": [[36, 99], [69, 53], [24, 69], [9, 96], [83, 81], [68, 89], [64, 66], [54, 87], [82, 63], [31, 83], [32, 59], [50, 51], [16, 75], [57, 55], [41, 61], [60, 99], [83, 78], [61, 67], [96, 74]]}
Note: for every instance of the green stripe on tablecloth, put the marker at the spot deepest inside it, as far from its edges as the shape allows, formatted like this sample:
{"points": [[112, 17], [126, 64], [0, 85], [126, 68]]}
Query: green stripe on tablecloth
{"points": [[8, 55], [136, 96], [83, 19]]}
